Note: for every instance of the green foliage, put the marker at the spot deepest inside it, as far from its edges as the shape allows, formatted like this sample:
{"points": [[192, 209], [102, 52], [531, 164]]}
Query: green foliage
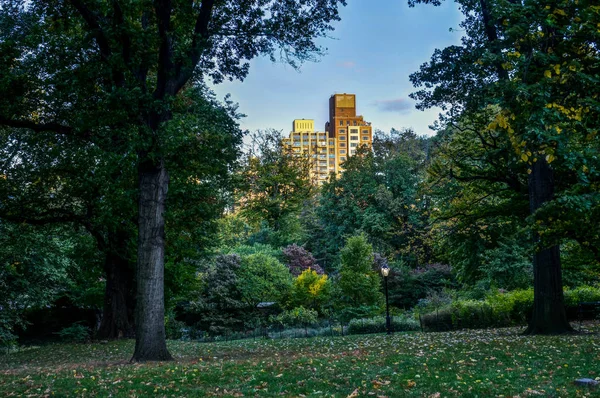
{"points": [[520, 99], [311, 290], [408, 286], [262, 278], [346, 313], [376, 195], [276, 182], [39, 265], [378, 325], [298, 316], [76, 333], [582, 294], [288, 230], [257, 248], [120, 81], [357, 285], [174, 328], [580, 266], [499, 309], [508, 266], [220, 306]]}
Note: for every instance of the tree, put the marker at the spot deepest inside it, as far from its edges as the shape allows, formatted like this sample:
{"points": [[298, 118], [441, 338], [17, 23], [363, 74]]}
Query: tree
{"points": [[358, 284], [262, 278], [536, 62], [50, 180], [276, 181], [66, 63], [221, 306], [298, 260], [38, 266], [311, 289], [376, 195], [478, 195], [95, 189]]}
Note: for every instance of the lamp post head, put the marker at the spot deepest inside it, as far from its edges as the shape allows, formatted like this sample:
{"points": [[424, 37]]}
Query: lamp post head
{"points": [[385, 270]]}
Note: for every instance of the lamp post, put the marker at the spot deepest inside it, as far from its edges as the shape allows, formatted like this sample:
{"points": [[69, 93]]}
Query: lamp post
{"points": [[385, 271]]}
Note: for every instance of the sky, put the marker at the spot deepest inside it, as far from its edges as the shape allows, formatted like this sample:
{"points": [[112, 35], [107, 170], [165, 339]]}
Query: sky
{"points": [[373, 50]]}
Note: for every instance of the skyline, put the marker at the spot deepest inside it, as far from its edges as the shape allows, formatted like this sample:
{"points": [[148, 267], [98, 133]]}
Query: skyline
{"points": [[372, 63]]}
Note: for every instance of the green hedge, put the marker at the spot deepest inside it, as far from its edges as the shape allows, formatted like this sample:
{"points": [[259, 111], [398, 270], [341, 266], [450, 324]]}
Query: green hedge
{"points": [[499, 309], [377, 325]]}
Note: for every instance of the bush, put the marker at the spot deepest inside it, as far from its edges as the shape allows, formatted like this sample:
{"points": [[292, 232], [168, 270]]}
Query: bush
{"points": [[581, 294], [500, 309], [377, 325], [76, 333], [7, 339], [408, 286]]}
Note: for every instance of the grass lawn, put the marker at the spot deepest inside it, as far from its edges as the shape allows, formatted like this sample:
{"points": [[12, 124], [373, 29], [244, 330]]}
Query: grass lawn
{"points": [[484, 363]]}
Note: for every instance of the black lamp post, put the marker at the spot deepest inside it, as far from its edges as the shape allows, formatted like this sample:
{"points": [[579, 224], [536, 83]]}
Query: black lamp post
{"points": [[385, 271]]}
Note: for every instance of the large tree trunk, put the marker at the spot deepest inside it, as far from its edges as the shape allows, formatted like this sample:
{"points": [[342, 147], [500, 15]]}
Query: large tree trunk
{"points": [[549, 315], [119, 300], [150, 343]]}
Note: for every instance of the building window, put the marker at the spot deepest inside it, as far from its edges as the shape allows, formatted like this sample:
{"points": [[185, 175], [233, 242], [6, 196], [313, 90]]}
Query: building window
{"points": [[342, 138], [342, 145], [354, 145], [332, 163], [355, 122], [353, 138], [341, 122], [365, 131], [342, 131], [343, 159], [342, 151], [365, 138], [348, 122]]}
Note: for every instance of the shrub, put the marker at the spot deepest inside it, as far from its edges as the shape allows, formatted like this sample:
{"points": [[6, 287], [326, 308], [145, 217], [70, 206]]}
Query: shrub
{"points": [[76, 333], [364, 311], [7, 339], [499, 309], [311, 289], [581, 294], [298, 316], [409, 286], [377, 325]]}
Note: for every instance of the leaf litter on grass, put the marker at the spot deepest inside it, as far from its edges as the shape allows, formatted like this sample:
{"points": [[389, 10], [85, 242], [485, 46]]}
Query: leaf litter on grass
{"points": [[494, 362]]}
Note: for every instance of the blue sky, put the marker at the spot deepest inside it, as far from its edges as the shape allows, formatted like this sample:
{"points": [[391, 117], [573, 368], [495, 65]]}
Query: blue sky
{"points": [[374, 48]]}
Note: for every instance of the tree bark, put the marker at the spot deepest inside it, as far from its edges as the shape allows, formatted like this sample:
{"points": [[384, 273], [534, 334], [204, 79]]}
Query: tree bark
{"points": [[150, 343], [119, 300], [549, 314]]}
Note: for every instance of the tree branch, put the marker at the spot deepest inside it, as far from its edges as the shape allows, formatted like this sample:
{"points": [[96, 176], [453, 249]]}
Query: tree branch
{"points": [[165, 53], [39, 127], [200, 35], [92, 22]]}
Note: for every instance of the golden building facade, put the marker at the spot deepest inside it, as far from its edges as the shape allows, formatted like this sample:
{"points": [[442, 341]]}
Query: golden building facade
{"points": [[344, 133], [348, 129]]}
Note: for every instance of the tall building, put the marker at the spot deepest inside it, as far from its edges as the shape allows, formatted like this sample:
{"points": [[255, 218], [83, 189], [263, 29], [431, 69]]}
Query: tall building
{"points": [[304, 140], [344, 133], [346, 127]]}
